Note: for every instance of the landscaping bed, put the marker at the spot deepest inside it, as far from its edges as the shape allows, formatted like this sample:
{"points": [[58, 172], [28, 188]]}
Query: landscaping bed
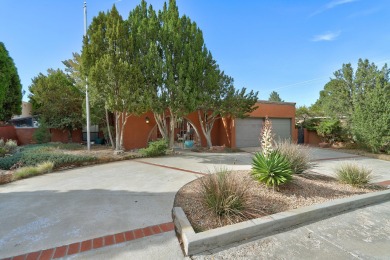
{"points": [[304, 190]]}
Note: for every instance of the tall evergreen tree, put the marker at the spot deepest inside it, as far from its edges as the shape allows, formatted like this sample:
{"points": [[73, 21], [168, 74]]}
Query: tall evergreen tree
{"points": [[362, 97], [108, 53], [183, 61], [274, 96], [10, 87]]}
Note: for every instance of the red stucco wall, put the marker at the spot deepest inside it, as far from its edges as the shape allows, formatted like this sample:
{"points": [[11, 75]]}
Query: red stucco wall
{"points": [[137, 131]]}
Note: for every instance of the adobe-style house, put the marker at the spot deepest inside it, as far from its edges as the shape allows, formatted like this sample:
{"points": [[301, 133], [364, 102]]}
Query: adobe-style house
{"points": [[229, 132]]}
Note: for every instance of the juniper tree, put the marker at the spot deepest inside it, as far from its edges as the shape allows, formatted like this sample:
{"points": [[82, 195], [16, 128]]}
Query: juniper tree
{"points": [[10, 87]]}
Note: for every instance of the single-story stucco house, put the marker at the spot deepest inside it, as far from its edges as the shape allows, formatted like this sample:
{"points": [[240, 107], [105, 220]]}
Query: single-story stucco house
{"points": [[234, 133]]}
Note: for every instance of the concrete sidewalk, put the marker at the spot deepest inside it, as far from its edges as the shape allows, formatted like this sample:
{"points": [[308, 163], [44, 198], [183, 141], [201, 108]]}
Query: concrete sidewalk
{"points": [[360, 234]]}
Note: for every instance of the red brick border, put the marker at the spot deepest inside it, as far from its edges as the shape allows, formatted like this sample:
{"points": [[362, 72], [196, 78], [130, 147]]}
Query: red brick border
{"points": [[337, 158], [87, 245], [172, 168]]}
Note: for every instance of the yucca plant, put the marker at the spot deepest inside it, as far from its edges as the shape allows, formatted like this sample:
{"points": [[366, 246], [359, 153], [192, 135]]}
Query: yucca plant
{"points": [[354, 175], [273, 170], [267, 138]]}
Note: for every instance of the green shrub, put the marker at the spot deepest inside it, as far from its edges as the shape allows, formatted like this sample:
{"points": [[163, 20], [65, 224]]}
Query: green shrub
{"points": [[272, 170], [8, 147], [330, 130], [354, 175], [3, 152], [42, 133], [296, 155], [155, 148], [34, 155], [58, 159], [7, 162], [29, 171], [226, 195]]}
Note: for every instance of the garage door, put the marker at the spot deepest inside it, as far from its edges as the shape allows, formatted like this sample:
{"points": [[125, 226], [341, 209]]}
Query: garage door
{"points": [[248, 130], [281, 128]]}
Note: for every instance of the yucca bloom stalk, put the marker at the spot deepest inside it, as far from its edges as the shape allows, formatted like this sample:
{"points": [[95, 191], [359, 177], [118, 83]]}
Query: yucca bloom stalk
{"points": [[267, 138]]}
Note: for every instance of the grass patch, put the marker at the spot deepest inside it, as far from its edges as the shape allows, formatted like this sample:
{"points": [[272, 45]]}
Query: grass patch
{"points": [[353, 174], [30, 171]]}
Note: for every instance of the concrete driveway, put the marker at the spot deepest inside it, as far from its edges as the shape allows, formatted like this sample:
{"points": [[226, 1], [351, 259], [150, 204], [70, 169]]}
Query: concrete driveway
{"points": [[75, 205], [87, 204]]}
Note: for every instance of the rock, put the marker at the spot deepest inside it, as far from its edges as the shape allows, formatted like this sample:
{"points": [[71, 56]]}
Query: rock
{"points": [[5, 177]]}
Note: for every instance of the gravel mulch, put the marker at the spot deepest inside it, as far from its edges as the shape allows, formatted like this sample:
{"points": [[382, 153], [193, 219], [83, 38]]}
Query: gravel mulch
{"points": [[304, 190]]}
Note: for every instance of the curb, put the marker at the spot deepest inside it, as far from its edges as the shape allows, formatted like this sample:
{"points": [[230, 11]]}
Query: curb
{"points": [[194, 243]]}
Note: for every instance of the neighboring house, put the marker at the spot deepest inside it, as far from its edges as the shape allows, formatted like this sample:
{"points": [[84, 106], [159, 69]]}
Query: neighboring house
{"points": [[25, 119], [229, 132]]}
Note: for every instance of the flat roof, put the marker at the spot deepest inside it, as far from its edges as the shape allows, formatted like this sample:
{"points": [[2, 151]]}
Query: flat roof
{"points": [[276, 102]]}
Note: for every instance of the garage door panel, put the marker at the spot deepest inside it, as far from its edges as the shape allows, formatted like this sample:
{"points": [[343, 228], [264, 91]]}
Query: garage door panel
{"points": [[248, 130], [281, 128]]}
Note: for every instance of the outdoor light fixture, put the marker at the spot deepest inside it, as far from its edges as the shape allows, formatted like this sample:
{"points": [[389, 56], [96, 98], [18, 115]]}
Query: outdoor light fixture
{"points": [[147, 120]]}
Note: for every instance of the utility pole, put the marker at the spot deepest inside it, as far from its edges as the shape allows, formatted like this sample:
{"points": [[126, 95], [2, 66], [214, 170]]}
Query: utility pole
{"points": [[86, 85]]}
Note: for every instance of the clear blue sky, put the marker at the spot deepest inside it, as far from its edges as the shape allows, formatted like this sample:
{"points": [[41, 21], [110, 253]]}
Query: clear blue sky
{"points": [[292, 47]]}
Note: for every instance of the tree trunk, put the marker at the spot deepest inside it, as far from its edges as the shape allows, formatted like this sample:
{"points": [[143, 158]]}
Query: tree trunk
{"points": [[172, 132], [206, 128], [161, 124], [125, 116], [117, 132], [109, 129]]}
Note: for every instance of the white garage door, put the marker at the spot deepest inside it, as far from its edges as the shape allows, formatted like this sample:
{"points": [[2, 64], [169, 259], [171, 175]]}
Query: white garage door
{"points": [[248, 130], [281, 128]]}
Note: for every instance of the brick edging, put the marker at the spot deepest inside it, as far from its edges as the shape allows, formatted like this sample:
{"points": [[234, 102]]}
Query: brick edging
{"points": [[170, 167], [95, 243]]}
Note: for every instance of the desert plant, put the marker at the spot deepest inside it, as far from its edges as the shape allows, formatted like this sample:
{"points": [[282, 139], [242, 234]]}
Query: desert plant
{"points": [[155, 148], [267, 138], [353, 174], [273, 170], [29, 171], [226, 195], [297, 155], [7, 147]]}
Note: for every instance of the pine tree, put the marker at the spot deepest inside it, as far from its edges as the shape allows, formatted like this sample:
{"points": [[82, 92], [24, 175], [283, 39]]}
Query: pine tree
{"points": [[10, 87]]}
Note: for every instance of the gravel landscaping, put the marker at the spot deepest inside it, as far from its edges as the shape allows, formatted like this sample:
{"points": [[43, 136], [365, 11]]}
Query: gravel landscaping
{"points": [[304, 190]]}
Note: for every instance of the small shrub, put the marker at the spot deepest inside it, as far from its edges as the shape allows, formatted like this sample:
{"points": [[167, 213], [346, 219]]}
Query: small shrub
{"points": [[354, 175], [29, 171], [227, 196], [8, 147], [155, 148], [298, 156], [272, 170], [7, 162], [42, 133]]}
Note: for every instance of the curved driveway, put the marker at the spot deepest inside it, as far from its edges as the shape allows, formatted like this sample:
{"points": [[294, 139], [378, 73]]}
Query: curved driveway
{"points": [[85, 203]]}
